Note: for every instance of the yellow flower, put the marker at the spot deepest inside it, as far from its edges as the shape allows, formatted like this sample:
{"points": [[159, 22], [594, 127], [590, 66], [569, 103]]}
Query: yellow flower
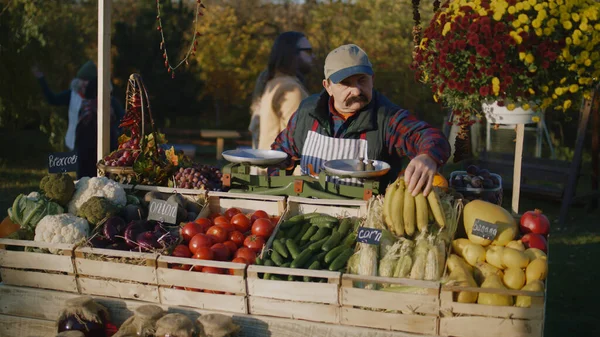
{"points": [[584, 26], [573, 88], [519, 6], [563, 80], [558, 91], [587, 62], [533, 2], [575, 17], [569, 41], [516, 24], [518, 39], [539, 32], [496, 85], [529, 58], [535, 119], [548, 31], [526, 6], [526, 29], [567, 104], [446, 29], [510, 107], [523, 18], [498, 16], [572, 67], [545, 88], [511, 10], [531, 91], [435, 97], [567, 25], [525, 106], [522, 56], [536, 24]]}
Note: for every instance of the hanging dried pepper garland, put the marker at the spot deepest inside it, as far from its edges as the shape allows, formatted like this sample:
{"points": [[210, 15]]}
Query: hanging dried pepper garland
{"points": [[193, 45]]}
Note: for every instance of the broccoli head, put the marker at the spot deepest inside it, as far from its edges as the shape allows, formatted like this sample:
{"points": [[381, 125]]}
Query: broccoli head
{"points": [[96, 209], [58, 187]]}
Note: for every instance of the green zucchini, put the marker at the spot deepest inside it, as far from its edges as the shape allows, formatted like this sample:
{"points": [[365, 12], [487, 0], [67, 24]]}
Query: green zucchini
{"points": [[333, 241], [309, 233], [280, 248], [335, 252], [292, 248], [321, 233], [341, 260]]}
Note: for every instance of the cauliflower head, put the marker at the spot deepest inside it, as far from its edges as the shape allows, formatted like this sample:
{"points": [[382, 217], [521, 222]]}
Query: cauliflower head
{"points": [[96, 209], [61, 228], [88, 187], [58, 187]]}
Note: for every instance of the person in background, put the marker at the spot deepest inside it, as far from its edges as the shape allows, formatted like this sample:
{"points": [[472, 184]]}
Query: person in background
{"points": [[290, 60], [351, 120], [77, 98]]}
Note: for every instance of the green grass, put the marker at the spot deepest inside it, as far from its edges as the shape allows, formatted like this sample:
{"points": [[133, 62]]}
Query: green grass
{"points": [[572, 302]]}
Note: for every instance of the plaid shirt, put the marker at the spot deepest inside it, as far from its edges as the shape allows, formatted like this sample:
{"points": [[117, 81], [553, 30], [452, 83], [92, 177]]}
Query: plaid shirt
{"points": [[405, 135]]}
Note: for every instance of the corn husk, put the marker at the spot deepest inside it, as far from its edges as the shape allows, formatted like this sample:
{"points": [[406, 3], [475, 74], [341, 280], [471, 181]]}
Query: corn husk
{"points": [[390, 260], [417, 271], [217, 325], [368, 254], [386, 242]]}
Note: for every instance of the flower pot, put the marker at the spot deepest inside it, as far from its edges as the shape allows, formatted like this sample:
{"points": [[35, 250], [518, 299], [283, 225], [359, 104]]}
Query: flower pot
{"points": [[501, 115]]}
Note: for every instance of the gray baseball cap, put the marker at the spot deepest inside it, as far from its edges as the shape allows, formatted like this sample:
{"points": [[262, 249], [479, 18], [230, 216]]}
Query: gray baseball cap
{"points": [[345, 61]]}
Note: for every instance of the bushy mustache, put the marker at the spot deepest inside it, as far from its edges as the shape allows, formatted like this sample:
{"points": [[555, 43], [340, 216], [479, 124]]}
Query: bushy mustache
{"points": [[355, 99]]}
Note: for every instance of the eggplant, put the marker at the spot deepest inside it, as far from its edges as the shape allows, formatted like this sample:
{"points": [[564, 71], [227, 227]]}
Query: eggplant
{"points": [[133, 229], [99, 241], [113, 226], [148, 241]]}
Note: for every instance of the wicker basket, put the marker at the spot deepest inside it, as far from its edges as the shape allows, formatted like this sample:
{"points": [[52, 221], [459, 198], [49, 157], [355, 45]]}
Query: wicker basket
{"points": [[135, 88]]}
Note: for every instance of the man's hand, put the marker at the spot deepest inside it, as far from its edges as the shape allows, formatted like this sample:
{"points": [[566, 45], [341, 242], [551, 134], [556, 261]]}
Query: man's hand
{"points": [[419, 174]]}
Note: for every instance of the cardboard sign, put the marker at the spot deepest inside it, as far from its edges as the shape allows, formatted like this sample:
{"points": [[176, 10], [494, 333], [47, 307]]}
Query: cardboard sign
{"points": [[163, 211], [62, 162], [369, 236], [484, 229]]}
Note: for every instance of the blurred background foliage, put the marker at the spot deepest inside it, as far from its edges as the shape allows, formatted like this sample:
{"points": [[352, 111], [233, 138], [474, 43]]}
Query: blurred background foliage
{"points": [[213, 90]]}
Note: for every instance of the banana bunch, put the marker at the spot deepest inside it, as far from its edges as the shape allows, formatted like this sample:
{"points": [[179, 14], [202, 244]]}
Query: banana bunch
{"points": [[404, 213]]}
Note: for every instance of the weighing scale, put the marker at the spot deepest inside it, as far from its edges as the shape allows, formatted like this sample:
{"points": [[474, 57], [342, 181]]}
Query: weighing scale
{"points": [[237, 176]]}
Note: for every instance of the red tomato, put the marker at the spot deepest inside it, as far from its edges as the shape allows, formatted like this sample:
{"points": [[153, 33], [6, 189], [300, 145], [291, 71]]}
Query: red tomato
{"points": [[237, 260], [247, 254], [231, 246], [200, 240], [221, 220], [205, 223], [258, 215], [189, 230], [274, 219], [254, 242], [182, 251], [227, 226], [241, 222], [262, 227], [217, 234], [214, 215], [220, 252], [204, 253], [231, 212], [212, 270], [237, 237]]}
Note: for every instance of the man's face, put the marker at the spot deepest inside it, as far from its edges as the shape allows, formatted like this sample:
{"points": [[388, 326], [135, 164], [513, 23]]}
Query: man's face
{"points": [[305, 56], [352, 93]]}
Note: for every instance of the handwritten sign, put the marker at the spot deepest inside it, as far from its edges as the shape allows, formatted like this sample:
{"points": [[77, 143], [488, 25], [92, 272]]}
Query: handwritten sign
{"points": [[163, 211], [484, 229], [62, 162], [369, 236]]}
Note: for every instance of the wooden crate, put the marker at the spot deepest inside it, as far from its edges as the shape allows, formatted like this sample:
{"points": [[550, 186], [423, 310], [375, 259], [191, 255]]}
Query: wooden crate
{"points": [[416, 311], [311, 301], [219, 202], [36, 269], [115, 273], [223, 292], [470, 319]]}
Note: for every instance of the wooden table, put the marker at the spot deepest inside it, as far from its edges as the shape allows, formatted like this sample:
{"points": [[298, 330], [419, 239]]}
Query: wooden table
{"points": [[220, 135]]}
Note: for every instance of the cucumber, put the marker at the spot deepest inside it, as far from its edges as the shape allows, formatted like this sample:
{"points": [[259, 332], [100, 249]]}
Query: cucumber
{"points": [[333, 241], [321, 233], [305, 227], [267, 263], [350, 239], [341, 260], [319, 257], [277, 278], [310, 232], [292, 248], [280, 248], [289, 223], [293, 231], [315, 265], [345, 227], [292, 278], [286, 265], [280, 234], [301, 259], [309, 216], [277, 258], [323, 218], [318, 244], [335, 252], [258, 261], [326, 224], [296, 218]]}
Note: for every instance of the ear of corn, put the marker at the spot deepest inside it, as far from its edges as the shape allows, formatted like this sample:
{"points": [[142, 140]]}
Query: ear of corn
{"points": [[420, 258]]}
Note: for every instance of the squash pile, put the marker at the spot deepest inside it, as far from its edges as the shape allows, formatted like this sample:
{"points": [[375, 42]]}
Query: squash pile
{"points": [[501, 263]]}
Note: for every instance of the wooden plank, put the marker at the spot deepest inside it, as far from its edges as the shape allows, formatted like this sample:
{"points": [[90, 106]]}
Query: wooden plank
{"points": [[117, 253], [405, 302], [192, 279], [517, 169], [296, 310], [294, 290], [204, 263], [393, 280], [147, 293], [448, 305], [11, 326], [426, 325], [489, 327], [206, 301], [120, 271], [30, 260], [253, 269], [36, 244], [47, 304], [299, 205], [229, 134], [511, 292], [103, 101], [184, 191], [39, 280]]}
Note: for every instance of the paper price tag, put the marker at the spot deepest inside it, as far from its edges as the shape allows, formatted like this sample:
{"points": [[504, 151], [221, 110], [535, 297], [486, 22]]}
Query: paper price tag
{"points": [[369, 236], [484, 229]]}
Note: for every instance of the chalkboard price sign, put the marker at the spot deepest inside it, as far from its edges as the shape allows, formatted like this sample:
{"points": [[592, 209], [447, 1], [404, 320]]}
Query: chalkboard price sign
{"points": [[484, 229], [369, 236], [62, 162], [163, 211]]}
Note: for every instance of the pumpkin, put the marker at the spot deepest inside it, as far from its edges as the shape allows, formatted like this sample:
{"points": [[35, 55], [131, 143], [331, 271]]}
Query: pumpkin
{"points": [[440, 181], [486, 211]]}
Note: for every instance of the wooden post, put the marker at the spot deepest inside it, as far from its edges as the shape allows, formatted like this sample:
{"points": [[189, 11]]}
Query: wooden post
{"points": [[595, 153], [104, 24], [517, 169]]}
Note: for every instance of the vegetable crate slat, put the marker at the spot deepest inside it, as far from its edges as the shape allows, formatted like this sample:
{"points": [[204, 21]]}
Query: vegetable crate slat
{"points": [[470, 319], [114, 273], [405, 304], [28, 264], [288, 296], [224, 292]]}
